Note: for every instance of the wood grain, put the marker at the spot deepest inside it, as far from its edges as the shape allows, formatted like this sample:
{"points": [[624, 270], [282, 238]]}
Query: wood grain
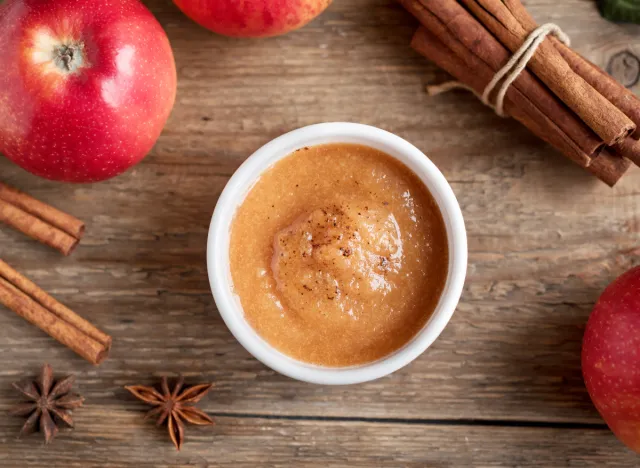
{"points": [[544, 239], [249, 442]]}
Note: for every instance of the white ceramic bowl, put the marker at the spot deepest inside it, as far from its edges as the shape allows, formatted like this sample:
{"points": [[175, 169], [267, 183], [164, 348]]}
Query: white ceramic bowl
{"points": [[243, 180]]}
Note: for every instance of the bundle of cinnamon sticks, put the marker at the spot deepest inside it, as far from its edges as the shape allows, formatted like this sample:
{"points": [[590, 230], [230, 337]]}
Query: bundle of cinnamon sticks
{"points": [[561, 97]]}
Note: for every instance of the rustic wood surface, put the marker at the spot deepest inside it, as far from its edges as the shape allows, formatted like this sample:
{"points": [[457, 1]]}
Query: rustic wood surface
{"points": [[500, 387]]}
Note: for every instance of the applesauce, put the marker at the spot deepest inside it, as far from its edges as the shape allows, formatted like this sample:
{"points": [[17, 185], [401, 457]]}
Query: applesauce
{"points": [[338, 255]]}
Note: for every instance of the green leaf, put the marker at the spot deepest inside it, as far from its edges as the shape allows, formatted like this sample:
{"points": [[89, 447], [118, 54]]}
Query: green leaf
{"points": [[621, 11]]}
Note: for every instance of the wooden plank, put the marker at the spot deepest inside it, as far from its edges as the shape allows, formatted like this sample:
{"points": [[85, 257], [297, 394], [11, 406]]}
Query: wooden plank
{"points": [[119, 437], [544, 237]]}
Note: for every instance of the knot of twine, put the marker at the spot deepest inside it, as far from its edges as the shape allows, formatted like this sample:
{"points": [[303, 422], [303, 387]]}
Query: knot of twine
{"points": [[510, 71]]}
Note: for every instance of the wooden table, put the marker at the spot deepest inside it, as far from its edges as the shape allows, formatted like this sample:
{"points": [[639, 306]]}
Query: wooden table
{"points": [[500, 387]]}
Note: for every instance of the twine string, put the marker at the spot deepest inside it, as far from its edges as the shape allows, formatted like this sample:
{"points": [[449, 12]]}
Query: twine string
{"points": [[509, 72]]}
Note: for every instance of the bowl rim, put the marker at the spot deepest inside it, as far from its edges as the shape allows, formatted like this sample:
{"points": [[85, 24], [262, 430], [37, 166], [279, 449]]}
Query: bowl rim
{"points": [[243, 180]]}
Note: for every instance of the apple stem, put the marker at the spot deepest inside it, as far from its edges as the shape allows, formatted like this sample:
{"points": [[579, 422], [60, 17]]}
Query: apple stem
{"points": [[68, 57]]}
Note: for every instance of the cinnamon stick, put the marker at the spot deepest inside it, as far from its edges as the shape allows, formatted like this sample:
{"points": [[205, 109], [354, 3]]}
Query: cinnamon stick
{"points": [[605, 119], [39, 220], [623, 98], [63, 221], [33, 304], [629, 148], [609, 167]]}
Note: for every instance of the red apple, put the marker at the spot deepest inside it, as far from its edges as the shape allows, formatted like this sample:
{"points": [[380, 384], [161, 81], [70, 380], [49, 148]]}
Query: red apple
{"points": [[252, 18], [611, 357], [86, 86]]}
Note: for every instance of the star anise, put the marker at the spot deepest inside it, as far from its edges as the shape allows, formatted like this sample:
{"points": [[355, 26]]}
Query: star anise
{"points": [[175, 407], [50, 403]]}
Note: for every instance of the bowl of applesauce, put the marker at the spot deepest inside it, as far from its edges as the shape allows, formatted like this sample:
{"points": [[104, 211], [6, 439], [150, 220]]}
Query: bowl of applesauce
{"points": [[337, 253]]}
